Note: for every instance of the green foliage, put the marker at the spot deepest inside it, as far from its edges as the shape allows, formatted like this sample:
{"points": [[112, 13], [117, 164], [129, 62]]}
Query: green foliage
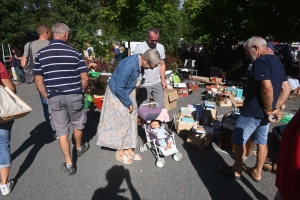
{"points": [[242, 19], [81, 16], [12, 23], [132, 19], [198, 21]]}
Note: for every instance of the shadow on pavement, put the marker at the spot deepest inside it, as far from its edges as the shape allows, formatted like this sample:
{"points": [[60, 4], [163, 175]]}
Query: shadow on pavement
{"points": [[90, 129], [115, 177], [205, 163], [39, 136]]}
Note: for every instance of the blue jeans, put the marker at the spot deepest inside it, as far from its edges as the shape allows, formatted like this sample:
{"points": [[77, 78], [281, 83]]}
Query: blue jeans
{"points": [[5, 133], [45, 108], [20, 74], [245, 127], [46, 111]]}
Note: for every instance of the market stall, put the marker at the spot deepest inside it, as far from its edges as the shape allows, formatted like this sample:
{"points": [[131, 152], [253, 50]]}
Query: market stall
{"points": [[99, 74]]}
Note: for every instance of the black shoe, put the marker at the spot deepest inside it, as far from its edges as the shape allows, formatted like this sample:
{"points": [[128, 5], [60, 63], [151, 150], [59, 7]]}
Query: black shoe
{"points": [[69, 171], [84, 148]]}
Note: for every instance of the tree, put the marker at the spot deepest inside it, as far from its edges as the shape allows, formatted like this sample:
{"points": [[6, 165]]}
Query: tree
{"points": [[12, 23], [133, 18], [242, 19], [81, 16]]}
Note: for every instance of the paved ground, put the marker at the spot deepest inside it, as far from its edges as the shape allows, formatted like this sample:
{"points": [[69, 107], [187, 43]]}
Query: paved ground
{"points": [[37, 159]]}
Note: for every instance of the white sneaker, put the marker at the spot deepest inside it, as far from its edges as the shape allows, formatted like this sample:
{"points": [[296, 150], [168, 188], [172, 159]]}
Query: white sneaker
{"points": [[6, 189]]}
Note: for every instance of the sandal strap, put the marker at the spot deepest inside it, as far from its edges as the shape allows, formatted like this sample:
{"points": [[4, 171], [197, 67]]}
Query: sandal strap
{"points": [[123, 158], [133, 155]]}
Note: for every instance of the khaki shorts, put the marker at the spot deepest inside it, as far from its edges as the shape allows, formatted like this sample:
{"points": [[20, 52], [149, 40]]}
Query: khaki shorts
{"points": [[66, 109]]}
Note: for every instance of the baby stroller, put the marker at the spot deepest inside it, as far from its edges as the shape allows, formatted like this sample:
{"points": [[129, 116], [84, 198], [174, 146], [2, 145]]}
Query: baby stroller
{"points": [[147, 113]]}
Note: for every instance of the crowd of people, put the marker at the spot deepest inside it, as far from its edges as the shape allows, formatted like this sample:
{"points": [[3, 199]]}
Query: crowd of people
{"points": [[61, 76]]}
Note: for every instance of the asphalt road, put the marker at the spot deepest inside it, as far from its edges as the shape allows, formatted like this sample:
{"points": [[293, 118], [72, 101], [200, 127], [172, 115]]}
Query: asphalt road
{"points": [[37, 159]]}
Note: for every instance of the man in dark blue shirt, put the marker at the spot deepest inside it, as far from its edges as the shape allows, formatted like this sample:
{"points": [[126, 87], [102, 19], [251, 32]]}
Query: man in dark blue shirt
{"points": [[61, 76], [267, 90]]}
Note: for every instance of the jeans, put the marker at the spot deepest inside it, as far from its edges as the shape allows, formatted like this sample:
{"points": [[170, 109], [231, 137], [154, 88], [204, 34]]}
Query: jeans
{"points": [[45, 108], [20, 74], [249, 126], [46, 111], [5, 134]]}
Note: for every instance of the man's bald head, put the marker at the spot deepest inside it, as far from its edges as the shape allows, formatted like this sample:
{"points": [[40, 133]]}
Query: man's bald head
{"points": [[42, 29]]}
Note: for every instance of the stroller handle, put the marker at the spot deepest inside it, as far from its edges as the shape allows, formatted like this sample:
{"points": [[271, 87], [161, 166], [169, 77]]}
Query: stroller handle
{"points": [[153, 103]]}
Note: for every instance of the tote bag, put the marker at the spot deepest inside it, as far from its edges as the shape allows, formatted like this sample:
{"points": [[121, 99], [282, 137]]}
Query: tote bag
{"points": [[11, 106]]}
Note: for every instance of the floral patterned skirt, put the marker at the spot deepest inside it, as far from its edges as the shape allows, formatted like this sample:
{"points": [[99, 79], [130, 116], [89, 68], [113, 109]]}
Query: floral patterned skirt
{"points": [[117, 128]]}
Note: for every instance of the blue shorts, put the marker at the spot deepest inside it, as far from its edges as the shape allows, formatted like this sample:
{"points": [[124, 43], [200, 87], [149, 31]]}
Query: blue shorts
{"points": [[247, 126], [5, 135]]}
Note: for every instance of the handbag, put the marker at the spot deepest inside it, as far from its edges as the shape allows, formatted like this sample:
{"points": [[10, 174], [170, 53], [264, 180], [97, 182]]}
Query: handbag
{"points": [[11, 106], [28, 69]]}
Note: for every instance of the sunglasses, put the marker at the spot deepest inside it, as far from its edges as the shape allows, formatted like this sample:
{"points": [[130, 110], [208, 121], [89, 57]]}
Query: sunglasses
{"points": [[152, 40], [248, 49]]}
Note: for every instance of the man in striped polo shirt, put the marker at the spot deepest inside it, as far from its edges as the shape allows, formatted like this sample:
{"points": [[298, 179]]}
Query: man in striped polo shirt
{"points": [[61, 76]]}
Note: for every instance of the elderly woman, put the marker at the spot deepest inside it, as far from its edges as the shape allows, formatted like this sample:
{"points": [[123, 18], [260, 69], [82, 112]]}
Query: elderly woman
{"points": [[117, 128], [5, 131]]}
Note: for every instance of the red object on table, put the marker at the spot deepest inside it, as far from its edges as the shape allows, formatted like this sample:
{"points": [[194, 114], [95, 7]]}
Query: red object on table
{"points": [[98, 102]]}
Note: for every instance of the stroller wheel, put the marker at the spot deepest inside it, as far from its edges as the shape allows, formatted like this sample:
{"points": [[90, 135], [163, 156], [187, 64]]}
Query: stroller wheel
{"points": [[160, 162], [148, 145], [142, 148], [177, 156]]}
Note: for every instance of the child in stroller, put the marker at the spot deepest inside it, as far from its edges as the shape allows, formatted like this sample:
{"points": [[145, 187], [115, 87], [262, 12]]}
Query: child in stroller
{"points": [[162, 135], [154, 143]]}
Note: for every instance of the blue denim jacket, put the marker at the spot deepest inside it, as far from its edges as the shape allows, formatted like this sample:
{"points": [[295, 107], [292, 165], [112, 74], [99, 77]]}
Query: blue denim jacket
{"points": [[124, 78]]}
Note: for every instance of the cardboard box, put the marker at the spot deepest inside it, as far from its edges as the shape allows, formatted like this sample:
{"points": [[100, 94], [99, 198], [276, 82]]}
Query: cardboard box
{"points": [[170, 97], [237, 102], [183, 128], [199, 142]]}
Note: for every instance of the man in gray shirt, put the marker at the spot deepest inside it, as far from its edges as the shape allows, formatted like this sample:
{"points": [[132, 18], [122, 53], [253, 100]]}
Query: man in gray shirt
{"points": [[154, 79], [44, 33]]}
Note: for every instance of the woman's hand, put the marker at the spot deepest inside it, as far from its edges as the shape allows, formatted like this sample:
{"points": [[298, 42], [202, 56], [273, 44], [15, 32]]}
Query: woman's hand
{"points": [[131, 108]]}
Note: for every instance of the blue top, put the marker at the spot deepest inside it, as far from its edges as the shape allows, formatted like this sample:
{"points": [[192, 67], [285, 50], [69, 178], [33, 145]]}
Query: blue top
{"points": [[124, 78], [16, 62], [61, 66], [267, 67]]}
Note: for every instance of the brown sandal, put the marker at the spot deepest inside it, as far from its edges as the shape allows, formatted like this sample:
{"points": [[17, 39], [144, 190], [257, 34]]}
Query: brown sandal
{"points": [[133, 156], [267, 165], [274, 168], [123, 158], [249, 171]]}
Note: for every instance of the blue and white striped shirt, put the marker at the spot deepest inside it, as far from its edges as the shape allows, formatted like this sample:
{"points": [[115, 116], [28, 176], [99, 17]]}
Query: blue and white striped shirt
{"points": [[61, 66]]}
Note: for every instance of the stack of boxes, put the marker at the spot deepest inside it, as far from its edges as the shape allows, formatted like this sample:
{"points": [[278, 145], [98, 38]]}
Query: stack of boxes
{"points": [[187, 123]]}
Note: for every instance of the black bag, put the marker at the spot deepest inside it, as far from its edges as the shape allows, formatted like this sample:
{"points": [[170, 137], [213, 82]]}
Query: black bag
{"points": [[28, 69], [277, 135]]}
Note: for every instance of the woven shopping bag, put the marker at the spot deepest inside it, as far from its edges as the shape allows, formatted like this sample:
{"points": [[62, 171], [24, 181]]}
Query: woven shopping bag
{"points": [[11, 106]]}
